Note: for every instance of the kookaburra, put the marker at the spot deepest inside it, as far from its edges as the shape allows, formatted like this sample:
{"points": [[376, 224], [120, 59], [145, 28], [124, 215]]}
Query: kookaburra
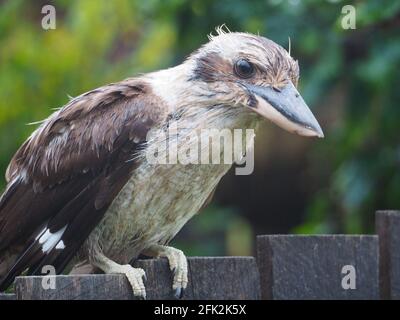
{"points": [[80, 191]]}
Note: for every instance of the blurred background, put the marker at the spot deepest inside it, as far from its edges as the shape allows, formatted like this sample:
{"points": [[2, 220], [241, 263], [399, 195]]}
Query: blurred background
{"points": [[350, 79]]}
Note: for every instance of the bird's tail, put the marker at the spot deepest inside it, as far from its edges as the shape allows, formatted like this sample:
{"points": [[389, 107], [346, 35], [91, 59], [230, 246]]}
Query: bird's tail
{"points": [[8, 254], [25, 219], [7, 259], [14, 234]]}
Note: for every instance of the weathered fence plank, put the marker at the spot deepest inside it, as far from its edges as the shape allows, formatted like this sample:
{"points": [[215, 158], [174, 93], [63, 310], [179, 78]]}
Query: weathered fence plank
{"points": [[209, 278], [310, 267], [388, 230], [7, 296]]}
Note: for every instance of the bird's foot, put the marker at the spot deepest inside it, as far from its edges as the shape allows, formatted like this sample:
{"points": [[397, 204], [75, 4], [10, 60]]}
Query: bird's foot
{"points": [[178, 265], [135, 277]]}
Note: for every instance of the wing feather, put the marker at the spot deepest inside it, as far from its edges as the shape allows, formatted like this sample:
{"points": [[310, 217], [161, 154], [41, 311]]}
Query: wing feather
{"points": [[66, 175]]}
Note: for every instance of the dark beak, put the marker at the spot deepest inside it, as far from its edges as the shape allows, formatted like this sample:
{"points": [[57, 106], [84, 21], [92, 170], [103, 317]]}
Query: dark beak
{"points": [[286, 108]]}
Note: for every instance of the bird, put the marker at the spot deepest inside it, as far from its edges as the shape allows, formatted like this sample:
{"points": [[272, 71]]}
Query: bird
{"points": [[81, 192]]}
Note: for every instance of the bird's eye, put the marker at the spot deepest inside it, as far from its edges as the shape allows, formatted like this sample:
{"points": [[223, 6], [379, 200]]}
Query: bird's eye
{"points": [[243, 68]]}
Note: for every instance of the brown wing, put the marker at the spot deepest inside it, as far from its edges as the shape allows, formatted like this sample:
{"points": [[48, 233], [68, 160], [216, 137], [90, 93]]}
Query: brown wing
{"points": [[65, 176]]}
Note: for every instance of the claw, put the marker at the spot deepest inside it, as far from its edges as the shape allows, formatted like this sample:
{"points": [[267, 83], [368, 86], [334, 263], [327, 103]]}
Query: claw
{"points": [[135, 278], [141, 297], [178, 266], [178, 293], [182, 293]]}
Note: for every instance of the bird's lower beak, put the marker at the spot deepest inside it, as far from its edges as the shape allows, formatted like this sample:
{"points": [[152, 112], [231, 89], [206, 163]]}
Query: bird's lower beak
{"points": [[286, 108]]}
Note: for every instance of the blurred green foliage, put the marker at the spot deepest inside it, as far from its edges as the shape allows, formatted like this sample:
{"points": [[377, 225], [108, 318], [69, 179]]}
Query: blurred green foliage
{"points": [[350, 77]]}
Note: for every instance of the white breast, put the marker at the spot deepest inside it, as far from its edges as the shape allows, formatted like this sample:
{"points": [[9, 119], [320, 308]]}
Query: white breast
{"points": [[155, 204]]}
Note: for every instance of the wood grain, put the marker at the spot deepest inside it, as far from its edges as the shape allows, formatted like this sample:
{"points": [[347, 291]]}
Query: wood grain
{"points": [[388, 229], [209, 278], [310, 267]]}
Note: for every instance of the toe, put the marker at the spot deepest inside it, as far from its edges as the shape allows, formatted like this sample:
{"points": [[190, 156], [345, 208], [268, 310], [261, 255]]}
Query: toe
{"points": [[180, 272], [135, 277]]}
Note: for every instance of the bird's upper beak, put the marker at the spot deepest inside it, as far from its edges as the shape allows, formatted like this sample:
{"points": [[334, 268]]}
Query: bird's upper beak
{"points": [[286, 108]]}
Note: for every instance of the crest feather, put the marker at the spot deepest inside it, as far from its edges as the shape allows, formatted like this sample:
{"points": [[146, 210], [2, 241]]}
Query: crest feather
{"points": [[220, 30]]}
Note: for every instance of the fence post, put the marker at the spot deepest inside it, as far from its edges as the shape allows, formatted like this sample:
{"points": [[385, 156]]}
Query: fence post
{"points": [[7, 296], [388, 229], [318, 267], [209, 278]]}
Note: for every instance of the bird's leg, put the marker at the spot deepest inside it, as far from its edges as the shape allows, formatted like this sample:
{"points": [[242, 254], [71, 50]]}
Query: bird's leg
{"points": [[135, 275], [177, 263]]}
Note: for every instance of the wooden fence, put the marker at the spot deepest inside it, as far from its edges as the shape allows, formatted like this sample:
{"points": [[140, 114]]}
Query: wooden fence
{"points": [[286, 267]]}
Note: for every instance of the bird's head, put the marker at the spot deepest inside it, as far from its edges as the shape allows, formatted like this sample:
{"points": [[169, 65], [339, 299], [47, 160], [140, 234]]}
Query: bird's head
{"points": [[254, 73]]}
